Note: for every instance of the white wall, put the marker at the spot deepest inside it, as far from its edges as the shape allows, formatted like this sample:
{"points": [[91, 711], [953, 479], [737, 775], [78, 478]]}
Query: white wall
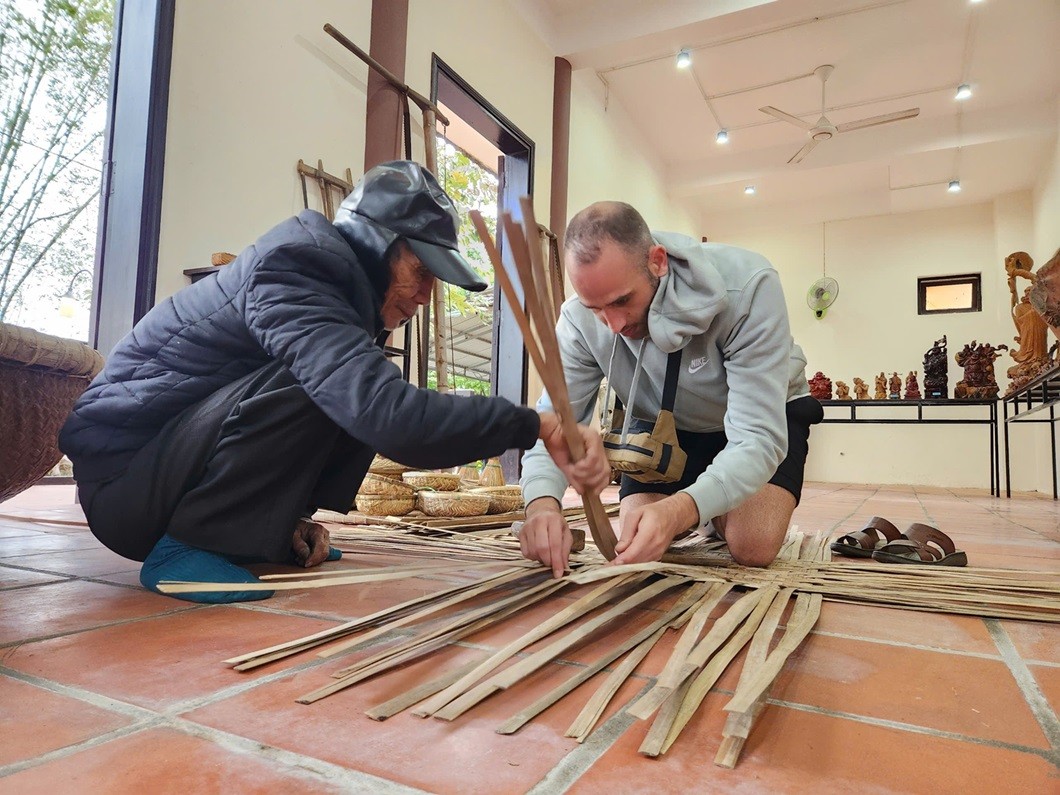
{"points": [[255, 85], [874, 326]]}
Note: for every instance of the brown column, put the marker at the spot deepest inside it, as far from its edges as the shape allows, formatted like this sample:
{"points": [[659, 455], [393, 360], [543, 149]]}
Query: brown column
{"points": [[557, 217], [382, 127]]}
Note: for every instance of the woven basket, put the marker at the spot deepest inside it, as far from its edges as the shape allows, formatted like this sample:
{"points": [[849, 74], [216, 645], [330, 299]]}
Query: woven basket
{"points": [[41, 377], [492, 474], [439, 481], [452, 503], [382, 505], [381, 485], [502, 498], [381, 465]]}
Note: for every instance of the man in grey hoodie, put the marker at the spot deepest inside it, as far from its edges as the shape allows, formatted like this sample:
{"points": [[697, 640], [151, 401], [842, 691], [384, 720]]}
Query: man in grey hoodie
{"points": [[742, 407]]}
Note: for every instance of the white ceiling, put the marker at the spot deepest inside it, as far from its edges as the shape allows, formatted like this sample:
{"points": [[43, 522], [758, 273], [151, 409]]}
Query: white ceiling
{"points": [[888, 55]]}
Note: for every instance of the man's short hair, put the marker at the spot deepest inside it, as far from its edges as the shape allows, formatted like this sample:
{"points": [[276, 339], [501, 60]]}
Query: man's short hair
{"points": [[616, 221]]}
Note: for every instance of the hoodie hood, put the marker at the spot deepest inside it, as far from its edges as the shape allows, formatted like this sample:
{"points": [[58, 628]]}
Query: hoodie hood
{"points": [[370, 242], [688, 299]]}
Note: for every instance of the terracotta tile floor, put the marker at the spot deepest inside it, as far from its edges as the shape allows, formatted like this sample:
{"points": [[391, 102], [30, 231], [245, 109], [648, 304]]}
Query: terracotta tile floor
{"points": [[107, 688]]}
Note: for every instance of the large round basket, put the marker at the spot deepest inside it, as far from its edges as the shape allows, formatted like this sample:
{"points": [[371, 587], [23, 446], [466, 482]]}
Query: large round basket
{"points": [[382, 505], [41, 377], [502, 498], [381, 485], [453, 503], [439, 481]]}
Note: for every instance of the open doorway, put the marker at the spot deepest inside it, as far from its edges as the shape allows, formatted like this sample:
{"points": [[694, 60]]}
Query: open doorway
{"points": [[478, 137]]}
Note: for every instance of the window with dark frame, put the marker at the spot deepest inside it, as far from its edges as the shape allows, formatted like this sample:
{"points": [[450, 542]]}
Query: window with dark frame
{"points": [[938, 295]]}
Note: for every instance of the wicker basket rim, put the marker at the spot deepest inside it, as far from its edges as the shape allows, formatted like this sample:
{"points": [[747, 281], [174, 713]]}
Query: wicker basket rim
{"points": [[32, 348]]}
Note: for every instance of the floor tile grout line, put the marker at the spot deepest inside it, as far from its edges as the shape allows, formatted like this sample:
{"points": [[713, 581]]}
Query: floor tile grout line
{"points": [[78, 747], [14, 644], [1032, 693], [904, 645], [575, 764], [1050, 756], [143, 719]]}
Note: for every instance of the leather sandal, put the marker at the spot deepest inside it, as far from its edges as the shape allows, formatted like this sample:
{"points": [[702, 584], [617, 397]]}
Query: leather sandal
{"points": [[862, 543], [923, 545]]}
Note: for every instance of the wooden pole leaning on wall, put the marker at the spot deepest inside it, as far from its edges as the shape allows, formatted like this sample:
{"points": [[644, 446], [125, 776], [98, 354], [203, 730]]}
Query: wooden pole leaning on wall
{"points": [[543, 348], [430, 151]]}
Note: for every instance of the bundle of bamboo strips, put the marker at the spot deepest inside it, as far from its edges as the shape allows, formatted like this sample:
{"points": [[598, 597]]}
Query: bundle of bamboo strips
{"points": [[543, 346]]}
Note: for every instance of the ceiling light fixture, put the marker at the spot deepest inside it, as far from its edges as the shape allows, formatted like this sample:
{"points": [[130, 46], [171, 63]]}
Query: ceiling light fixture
{"points": [[963, 91], [954, 186], [749, 190], [684, 58], [722, 137]]}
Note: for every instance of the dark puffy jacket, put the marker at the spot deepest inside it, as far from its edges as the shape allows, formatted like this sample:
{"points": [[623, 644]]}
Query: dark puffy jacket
{"points": [[309, 296]]}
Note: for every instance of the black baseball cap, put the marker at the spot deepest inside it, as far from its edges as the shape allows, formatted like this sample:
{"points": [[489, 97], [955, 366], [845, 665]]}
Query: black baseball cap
{"points": [[402, 199]]}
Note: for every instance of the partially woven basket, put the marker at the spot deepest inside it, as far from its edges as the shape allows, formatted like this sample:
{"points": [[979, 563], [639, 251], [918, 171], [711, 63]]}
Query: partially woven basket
{"points": [[381, 485], [452, 503], [383, 505], [439, 481], [41, 377], [502, 498]]}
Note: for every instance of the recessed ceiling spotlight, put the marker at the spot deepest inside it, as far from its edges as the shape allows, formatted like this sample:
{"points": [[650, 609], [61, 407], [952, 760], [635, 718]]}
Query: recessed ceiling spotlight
{"points": [[684, 59], [722, 137], [963, 91], [749, 190], [954, 186]]}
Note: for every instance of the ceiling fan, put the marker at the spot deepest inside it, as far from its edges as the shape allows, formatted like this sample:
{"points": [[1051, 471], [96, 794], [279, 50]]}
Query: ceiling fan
{"points": [[823, 129]]}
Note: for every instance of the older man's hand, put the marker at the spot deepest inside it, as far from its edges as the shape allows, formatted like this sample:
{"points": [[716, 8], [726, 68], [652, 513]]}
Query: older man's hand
{"points": [[589, 474], [310, 543]]}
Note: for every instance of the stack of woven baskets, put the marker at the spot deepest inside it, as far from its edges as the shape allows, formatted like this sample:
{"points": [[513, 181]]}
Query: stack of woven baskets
{"points": [[391, 489], [41, 377]]}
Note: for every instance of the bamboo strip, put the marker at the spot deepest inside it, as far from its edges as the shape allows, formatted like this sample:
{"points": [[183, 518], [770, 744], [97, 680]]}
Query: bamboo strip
{"points": [[700, 653], [415, 695], [807, 611], [710, 673], [528, 665], [666, 680], [396, 573], [455, 623], [421, 646], [251, 659], [681, 607], [592, 600], [462, 596]]}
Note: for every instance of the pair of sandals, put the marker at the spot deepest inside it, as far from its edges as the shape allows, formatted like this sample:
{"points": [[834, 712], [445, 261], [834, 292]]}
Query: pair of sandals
{"points": [[880, 540]]}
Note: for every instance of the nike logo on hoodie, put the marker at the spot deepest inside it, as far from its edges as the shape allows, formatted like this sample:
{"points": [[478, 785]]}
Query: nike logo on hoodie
{"points": [[697, 364]]}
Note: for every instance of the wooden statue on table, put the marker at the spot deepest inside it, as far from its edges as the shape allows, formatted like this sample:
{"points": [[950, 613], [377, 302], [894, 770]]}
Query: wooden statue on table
{"points": [[861, 390], [1032, 331], [936, 371], [1045, 293], [894, 387], [821, 386], [842, 391], [912, 388], [977, 360], [881, 387]]}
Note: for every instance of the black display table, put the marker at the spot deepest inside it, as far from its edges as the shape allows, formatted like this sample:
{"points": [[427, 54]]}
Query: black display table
{"points": [[928, 412], [1038, 395]]}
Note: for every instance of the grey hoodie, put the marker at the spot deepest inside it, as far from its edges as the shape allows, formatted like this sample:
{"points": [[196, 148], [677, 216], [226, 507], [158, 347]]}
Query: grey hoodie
{"points": [[723, 306]]}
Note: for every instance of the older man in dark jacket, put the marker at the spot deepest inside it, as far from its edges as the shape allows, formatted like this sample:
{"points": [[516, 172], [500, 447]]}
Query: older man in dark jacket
{"points": [[240, 404]]}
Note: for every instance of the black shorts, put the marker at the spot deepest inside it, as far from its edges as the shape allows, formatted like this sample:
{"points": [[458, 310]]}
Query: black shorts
{"points": [[702, 448]]}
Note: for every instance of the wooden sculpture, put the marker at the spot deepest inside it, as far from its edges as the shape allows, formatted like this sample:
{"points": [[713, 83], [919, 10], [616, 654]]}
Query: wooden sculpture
{"points": [[912, 388], [1045, 293], [936, 371], [1032, 354], [842, 391], [979, 382], [821, 386], [861, 389], [881, 387], [894, 387]]}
